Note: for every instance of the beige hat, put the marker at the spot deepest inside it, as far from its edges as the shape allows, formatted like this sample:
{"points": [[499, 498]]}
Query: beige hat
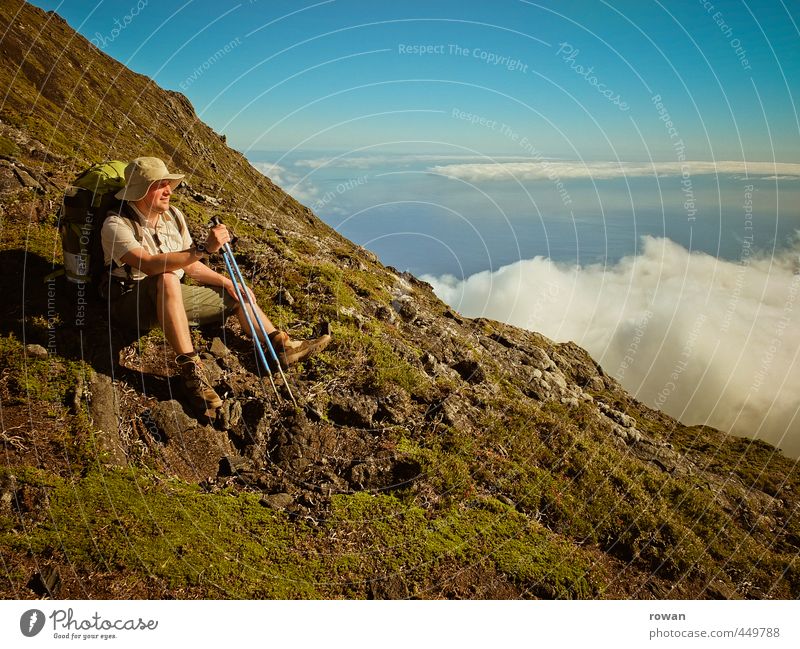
{"points": [[143, 172]]}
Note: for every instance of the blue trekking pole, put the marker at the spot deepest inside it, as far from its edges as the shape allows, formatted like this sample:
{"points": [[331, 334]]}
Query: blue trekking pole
{"points": [[244, 299]]}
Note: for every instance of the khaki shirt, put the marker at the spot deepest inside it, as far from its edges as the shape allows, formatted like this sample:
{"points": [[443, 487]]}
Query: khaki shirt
{"points": [[118, 238]]}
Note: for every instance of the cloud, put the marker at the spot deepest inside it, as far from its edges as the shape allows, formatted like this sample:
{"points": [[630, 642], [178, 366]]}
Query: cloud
{"points": [[705, 340], [564, 170], [299, 188], [378, 160]]}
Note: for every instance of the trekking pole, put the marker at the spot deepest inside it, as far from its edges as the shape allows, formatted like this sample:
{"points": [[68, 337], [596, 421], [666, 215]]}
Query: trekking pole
{"points": [[250, 323], [233, 267]]}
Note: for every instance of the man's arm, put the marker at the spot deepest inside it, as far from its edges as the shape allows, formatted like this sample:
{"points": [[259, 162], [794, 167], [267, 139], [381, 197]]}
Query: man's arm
{"points": [[166, 262], [202, 274]]}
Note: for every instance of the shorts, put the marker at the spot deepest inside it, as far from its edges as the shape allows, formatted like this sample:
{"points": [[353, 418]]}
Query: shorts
{"points": [[135, 307]]}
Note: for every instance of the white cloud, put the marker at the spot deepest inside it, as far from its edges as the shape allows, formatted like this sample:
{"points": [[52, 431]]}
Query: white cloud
{"points": [[705, 340], [299, 188], [551, 169], [377, 160]]}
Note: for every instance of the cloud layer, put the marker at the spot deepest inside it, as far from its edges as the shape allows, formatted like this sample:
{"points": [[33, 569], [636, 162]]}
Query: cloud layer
{"points": [[564, 170], [705, 340]]}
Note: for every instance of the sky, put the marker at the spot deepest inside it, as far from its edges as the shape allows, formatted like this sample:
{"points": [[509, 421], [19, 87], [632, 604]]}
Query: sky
{"points": [[576, 78], [622, 174]]}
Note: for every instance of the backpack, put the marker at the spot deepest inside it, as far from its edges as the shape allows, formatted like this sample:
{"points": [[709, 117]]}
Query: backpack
{"points": [[83, 210]]}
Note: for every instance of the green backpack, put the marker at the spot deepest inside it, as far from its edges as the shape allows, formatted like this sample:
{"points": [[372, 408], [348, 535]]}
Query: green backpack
{"points": [[86, 203]]}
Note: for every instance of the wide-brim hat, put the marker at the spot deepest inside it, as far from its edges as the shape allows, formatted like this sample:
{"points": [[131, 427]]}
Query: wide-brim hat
{"points": [[141, 173]]}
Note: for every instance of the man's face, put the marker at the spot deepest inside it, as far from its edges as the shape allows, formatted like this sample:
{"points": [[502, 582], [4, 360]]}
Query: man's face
{"points": [[157, 197]]}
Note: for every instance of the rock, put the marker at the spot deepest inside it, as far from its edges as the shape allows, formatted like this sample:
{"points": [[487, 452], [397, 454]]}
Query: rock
{"points": [[365, 474], [28, 181], [556, 378], [594, 383], [8, 179], [579, 367], [233, 464], [284, 297], [539, 359], [351, 312], [302, 443], [253, 427], [385, 314], [229, 415], [277, 501], [628, 435], [404, 305], [104, 411], [394, 406], [455, 413], [616, 415], [353, 410], [46, 583], [171, 419], [391, 587], [662, 456], [35, 351], [383, 473], [470, 370], [429, 363], [204, 198], [5, 503], [218, 348]]}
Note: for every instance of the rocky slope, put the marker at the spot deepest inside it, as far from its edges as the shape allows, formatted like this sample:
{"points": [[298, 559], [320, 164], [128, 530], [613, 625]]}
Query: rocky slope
{"points": [[431, 455]]}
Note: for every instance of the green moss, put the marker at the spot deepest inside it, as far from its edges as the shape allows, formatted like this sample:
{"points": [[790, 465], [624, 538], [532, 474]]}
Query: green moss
{"points": [[407, 541], [29, 379], [128, 522], [365, 359], [7, 147]]}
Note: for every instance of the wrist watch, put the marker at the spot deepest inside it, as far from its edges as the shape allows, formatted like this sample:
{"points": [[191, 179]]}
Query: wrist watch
{"points": [[201, 248]]}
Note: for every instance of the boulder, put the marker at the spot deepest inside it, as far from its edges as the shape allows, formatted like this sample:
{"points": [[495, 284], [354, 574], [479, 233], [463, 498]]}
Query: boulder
{"points": [[35, 351], [218, 348], [104, 411], [171, 419], [355, 410], [277, 501]]}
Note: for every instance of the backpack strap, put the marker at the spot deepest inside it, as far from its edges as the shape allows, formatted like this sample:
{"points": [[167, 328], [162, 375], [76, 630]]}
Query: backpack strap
{"points": [[173, 214], [126, 212]]}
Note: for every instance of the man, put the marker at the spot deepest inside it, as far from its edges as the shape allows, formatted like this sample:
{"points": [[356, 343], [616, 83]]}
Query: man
{"points": [[148, 248]]}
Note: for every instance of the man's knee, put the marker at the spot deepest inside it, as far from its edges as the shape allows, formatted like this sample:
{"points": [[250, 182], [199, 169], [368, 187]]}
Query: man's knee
{"points": [[167, 282]]}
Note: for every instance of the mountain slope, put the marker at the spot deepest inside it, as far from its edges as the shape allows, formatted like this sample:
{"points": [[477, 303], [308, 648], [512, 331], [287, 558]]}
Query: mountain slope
{"points": [[432, 455]]}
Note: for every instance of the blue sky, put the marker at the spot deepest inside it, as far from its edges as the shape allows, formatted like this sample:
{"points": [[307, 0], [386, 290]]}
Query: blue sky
{"points": [[341, 74]]}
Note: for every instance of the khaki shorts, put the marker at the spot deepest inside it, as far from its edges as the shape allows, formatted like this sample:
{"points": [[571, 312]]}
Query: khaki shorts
{"points": [[136, 307]]}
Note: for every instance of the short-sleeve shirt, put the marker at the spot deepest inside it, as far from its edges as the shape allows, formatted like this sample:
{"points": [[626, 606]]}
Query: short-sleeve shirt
{"points": [[118, 238]]}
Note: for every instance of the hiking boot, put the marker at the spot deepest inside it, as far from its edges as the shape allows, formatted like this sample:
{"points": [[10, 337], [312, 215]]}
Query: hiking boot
{"points": [[197, 385], [291, 351]]}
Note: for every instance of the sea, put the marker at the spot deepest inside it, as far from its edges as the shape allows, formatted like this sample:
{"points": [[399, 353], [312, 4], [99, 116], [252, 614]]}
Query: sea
{"points": [[415, 218]]}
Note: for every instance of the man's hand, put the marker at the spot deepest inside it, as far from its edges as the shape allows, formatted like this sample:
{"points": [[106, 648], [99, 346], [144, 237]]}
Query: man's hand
{"points": [[232, 290], [217, 237]]}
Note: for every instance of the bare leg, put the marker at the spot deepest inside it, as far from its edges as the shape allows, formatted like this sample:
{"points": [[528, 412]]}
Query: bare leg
{"points": [[268, 326], [172, 314]]}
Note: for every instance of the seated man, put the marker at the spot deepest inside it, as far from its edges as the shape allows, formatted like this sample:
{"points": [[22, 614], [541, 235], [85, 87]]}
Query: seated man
{"points": [[148, 248]]}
